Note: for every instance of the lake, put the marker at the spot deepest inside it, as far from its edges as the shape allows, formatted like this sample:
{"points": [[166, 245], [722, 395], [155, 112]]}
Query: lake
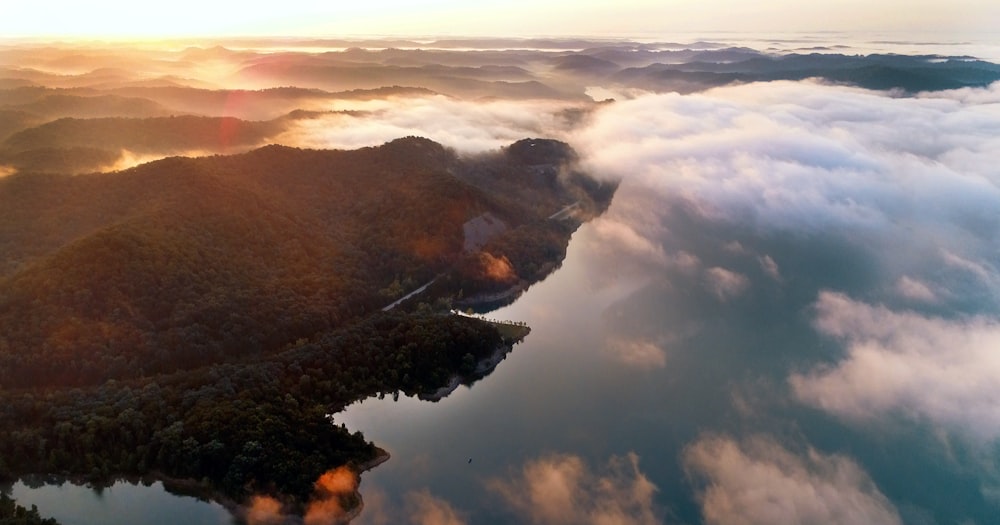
{"points": [[643, 389]]}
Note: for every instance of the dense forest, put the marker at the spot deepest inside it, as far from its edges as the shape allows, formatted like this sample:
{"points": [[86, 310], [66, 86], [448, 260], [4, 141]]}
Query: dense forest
{"points": [[201, 318], [185, 262], [248, 427]]}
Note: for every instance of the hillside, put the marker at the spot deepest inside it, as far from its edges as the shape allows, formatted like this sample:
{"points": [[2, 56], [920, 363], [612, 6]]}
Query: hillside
{"points": [[188, 261], [71, 140], [170, 318]]}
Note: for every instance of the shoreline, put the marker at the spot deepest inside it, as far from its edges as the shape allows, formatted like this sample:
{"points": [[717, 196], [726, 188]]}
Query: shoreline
{"points": [[381, 457], [483, 367], [293, 511], [487, 298], [192, 488]]}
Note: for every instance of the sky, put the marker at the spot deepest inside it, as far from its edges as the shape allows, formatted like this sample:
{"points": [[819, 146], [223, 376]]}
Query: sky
{"points": [[192, 18]]}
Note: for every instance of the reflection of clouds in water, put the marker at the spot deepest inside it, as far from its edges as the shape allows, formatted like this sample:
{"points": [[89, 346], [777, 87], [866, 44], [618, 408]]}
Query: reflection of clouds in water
{"points": [[325, 507], [770, 267], [562, 489], [639, 353], [725, 284], [758, 481], [915, 290], [425, 509], [898, 362], [418, 507], [378, 506], [264, 510], [555, 489], [979, 270]]}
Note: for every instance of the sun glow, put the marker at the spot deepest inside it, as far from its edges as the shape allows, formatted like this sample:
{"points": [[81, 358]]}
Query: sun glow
{"points": [[116, 19]]}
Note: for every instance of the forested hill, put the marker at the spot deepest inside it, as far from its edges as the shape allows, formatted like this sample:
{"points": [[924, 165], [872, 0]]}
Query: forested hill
{"points": [[184, 262], [84, 145]]}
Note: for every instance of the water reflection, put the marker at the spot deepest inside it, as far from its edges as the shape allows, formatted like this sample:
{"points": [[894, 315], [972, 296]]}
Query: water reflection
{"points": [[564, 404], [122, 502]]}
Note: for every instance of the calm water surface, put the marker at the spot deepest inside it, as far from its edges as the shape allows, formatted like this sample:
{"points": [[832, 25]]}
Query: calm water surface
{"points": [[122, 503]]}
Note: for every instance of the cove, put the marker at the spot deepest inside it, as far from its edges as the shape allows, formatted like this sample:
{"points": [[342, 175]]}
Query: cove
{"points": [[122, 502]]}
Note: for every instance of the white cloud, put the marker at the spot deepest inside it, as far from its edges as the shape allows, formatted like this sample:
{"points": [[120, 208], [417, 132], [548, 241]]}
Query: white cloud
{"points": [[758, 482], [726, 284], [562, 489], [631, 243], [806, 157], [418, 507], [915, 290], [378, 508], [638, 353], [425, 509], [925, 368], [769, 267], [618, 237], [467, 126], [979, 270]]}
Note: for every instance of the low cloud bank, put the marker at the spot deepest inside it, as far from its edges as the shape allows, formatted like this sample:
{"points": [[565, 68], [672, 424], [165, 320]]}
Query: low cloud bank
{"points": [[467, 126], [808, 157], [912, 180]]}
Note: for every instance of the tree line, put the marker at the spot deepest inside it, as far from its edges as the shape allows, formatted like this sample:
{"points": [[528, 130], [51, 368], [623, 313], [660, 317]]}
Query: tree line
{"points": [[261, 426]]}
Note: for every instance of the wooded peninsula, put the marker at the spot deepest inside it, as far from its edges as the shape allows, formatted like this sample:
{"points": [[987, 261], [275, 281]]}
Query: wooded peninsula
{"points": [[199, 320]]}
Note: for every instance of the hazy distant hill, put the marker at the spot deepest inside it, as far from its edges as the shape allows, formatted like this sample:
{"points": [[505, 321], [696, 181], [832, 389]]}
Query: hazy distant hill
{"points": [[60, 105], [580, 64], [157, 134], [340, 73], [74, 145], [907, 73], [12, 121]]}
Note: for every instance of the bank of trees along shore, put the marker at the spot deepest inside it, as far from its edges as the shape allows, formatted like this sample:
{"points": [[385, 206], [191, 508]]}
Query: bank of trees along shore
{"points": [[241, 428]]}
